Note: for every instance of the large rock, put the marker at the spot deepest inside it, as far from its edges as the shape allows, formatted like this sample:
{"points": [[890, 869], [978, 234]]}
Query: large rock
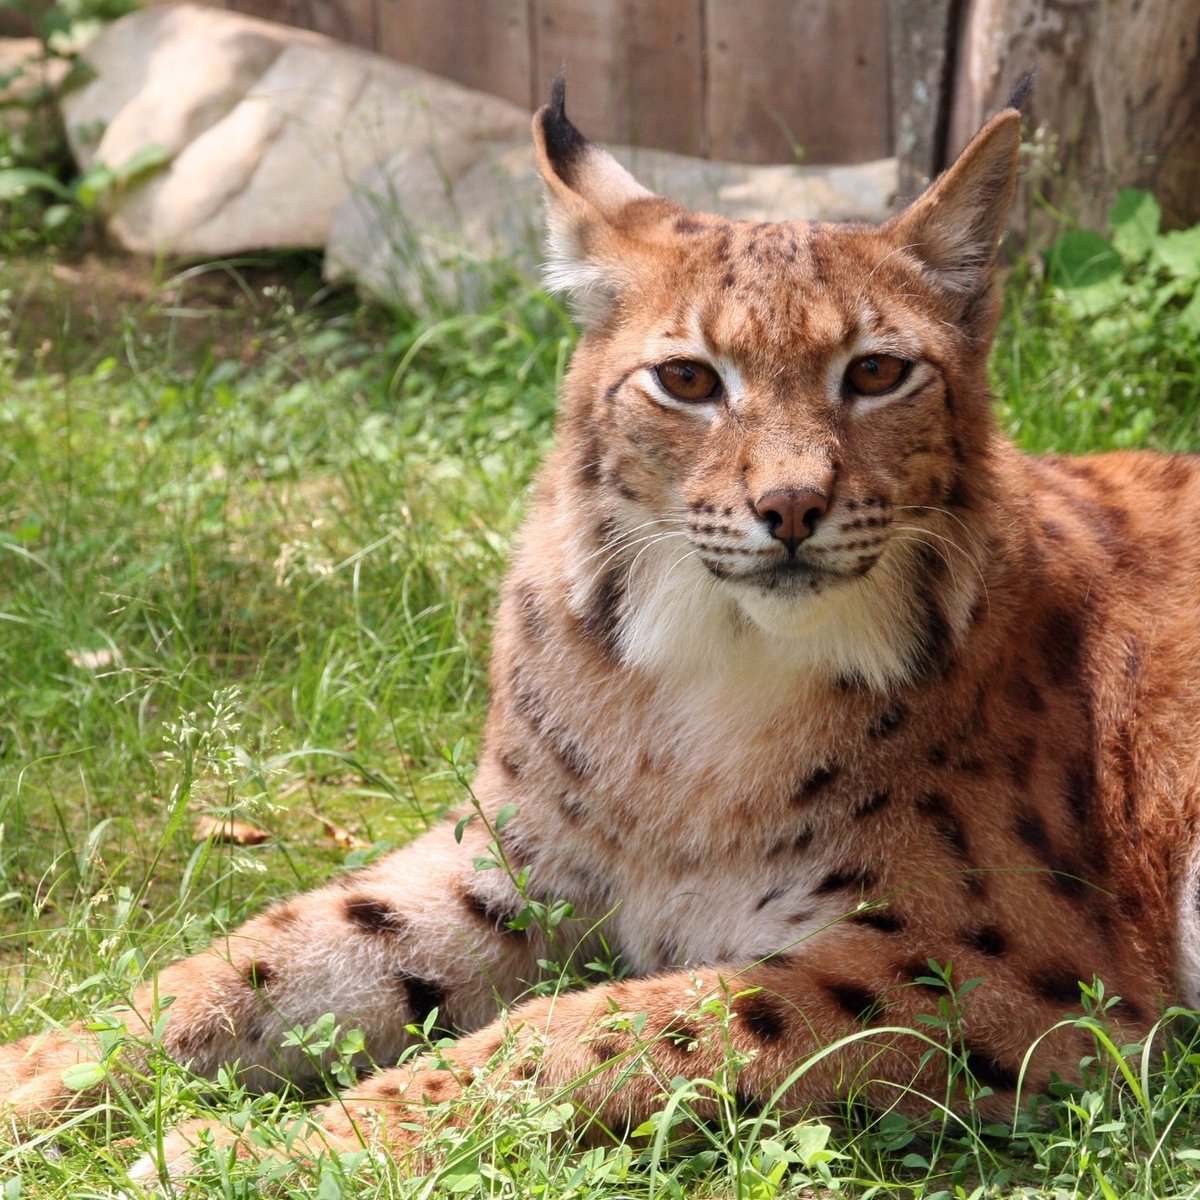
{"points": [[266, 126], [433, 226]]}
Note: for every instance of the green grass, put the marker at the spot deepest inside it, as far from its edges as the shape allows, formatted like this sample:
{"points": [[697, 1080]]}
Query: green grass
{"points": [[250, 542]]}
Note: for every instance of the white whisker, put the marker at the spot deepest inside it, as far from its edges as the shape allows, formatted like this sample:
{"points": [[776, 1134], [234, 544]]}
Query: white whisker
{"points": [[943, 512], [622, 547], [683, 558], [624, 541], [920, 539], [973, 556], [661, 538]]}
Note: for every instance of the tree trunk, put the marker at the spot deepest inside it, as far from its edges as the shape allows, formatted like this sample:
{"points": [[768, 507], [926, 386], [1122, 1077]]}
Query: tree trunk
{"points": [[1116, 100]]}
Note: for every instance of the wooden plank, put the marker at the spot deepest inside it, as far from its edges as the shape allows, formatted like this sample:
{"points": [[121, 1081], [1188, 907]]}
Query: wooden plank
{"points": [[808, 79], [21, 21], [484, 44], [921, 39], [15, 24], [634, 69], [350, 21]]}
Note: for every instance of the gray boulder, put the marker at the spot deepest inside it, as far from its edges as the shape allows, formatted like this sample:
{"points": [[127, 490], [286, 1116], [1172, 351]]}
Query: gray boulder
{"points": [[266, 126]]}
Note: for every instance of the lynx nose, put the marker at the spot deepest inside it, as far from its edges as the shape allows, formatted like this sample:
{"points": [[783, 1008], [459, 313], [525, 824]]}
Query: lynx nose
{"points": [[791, 515]]}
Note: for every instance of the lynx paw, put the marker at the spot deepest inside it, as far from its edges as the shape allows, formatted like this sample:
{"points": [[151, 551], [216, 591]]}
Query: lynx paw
{"points": [[177, 1157], [385, 1114], [174, 1159]]}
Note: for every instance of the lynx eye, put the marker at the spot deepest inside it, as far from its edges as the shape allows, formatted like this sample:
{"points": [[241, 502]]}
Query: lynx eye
{"points": [[875, 374], [686, 379]]}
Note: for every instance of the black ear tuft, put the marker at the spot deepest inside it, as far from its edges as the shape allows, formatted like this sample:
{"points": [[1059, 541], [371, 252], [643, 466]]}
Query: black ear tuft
{"points": [[564, 143], [1021, 92]]}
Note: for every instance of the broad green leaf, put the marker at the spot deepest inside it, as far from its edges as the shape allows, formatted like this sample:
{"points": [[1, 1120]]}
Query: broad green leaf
{"points": [[83, 1075], [808, 1141], [1134, 221], [1189, 318], [1106, 1188], [57, 215], [79, 73], [1097, 298], [329, 1188], [1081, 258], [17, 181], [96, 181], [143, 162], [1179, 252], [767, 1188]]}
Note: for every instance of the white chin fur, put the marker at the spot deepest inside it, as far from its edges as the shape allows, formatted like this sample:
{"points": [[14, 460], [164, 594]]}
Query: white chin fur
{"points": [[683, 623], [844, 632]]}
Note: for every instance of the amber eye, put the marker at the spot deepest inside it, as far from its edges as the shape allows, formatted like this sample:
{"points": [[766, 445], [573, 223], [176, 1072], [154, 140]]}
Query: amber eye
{"points": [[686, 379], [876, 374]]}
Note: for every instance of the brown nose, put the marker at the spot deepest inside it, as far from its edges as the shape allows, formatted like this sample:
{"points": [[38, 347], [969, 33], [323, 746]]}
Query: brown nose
{"points": [[790, 515]]}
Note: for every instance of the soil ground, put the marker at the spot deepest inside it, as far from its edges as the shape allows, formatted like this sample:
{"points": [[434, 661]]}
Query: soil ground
{"points": [[73, 310]]}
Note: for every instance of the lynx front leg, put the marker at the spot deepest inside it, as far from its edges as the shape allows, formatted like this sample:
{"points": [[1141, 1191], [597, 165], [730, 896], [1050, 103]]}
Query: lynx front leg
{"points": [[611, 1051], [800, 1031], [805, 1030], [422, 929]]}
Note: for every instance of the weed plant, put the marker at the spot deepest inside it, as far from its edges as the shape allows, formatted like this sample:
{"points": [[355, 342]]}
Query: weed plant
{"points": [[247, 568]]}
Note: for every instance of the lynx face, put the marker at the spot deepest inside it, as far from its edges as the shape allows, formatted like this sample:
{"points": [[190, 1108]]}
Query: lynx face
{"points": [[776, 418], [785, 460]]}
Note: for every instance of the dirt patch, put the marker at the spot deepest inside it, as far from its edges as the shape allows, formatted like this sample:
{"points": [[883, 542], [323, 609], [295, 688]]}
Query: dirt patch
{"points": [[68, 314]]}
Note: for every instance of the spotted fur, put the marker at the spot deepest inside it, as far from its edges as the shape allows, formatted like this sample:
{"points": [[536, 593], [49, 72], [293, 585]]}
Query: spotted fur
{"points": [[953, 720]]}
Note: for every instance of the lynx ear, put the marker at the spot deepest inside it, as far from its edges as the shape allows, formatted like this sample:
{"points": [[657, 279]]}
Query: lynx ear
{"points": [[587, 189], [955, 225]]}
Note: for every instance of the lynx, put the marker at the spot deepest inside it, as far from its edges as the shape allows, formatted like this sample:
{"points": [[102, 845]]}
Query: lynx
{"points": [[803, 677]]}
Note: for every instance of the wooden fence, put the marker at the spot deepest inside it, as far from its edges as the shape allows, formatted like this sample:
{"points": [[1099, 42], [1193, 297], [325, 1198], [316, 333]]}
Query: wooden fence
{"points": [[746, 80], [828, 81]]}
